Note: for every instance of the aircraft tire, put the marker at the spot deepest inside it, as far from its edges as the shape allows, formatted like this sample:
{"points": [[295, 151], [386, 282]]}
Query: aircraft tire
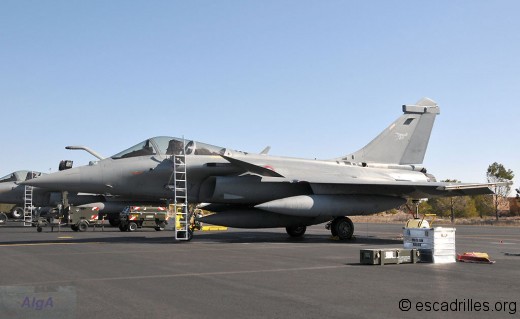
{"points": [[132, 226], [343, 227], [160, 226], [122, 227], [333, 227], [3, 218], [296, 231], [82, 226], [74, 227], [17, 213], [39, 229]]}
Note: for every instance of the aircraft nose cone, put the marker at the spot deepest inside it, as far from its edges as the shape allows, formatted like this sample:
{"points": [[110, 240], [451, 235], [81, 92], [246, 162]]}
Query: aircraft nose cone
{"points": [[59, 181]]}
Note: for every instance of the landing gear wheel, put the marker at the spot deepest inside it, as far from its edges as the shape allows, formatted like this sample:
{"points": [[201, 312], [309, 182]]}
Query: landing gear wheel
{"points": [[3, 218], [296, 231], [82, 226], [74, 227], [17, 213], [114, 222], [122, 227], [132, 226], [332, 227], [160, 226], [39, 229], [342, 227]]}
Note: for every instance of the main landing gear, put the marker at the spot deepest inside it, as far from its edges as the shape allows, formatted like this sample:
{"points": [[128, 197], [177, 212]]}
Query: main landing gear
{"points": [[341, 227], [296, 231]]}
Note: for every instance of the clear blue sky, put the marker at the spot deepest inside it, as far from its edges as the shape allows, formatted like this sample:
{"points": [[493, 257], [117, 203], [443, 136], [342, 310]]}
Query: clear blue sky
{"points": [[315, 79]]}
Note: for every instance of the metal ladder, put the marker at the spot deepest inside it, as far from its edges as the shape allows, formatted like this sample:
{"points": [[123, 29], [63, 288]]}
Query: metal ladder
{"points": [[181, 208], [28, 206]]}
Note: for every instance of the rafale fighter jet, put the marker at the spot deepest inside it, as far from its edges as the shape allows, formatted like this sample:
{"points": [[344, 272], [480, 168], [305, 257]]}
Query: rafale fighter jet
{"points": [[247, 190], [11, 192]]}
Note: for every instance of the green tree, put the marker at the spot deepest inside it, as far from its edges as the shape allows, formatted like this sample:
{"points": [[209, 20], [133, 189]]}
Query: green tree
{"points": [[470, 208], [484, 205], [425, 207], [453, 207], [497, 173]]}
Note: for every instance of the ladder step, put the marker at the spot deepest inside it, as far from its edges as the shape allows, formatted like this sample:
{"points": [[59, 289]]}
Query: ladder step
{"points": [[28, 206], [180, 191]]}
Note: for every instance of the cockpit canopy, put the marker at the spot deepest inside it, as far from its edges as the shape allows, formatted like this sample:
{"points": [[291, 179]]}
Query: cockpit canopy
{"points": [[19, 176], [166, 145]]}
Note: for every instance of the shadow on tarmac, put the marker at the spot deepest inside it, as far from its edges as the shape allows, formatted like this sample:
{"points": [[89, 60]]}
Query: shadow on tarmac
{"points": [[236, 237]]}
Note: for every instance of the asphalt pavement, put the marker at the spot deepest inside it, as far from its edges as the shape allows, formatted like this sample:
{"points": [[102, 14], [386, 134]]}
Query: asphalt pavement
{"points": [[249, 274]]}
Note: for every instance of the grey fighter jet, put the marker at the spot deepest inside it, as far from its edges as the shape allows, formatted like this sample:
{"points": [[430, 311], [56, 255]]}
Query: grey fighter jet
{"points": [[248, 190], [11, 192]]}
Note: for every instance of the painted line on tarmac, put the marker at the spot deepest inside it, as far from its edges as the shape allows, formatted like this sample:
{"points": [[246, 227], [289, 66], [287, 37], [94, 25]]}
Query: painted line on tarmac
{"points": [[495, 237], [45, 244], [490, 236], [185, 275]]}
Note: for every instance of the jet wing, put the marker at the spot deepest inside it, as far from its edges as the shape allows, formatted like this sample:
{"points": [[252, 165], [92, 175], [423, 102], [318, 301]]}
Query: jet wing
{"points": [[331, 178], [414, 190]]}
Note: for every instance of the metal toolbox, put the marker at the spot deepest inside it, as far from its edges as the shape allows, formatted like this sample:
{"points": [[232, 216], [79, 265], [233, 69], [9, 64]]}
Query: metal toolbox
{"points": [[436, 245], [388, 256]]}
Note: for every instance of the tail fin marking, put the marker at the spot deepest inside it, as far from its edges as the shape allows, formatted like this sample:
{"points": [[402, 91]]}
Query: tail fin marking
{"points": [[404, 141]]}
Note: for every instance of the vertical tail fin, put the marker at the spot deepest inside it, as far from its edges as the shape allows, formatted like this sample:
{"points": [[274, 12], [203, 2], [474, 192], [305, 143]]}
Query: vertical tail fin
{"points": [[404, 141]]}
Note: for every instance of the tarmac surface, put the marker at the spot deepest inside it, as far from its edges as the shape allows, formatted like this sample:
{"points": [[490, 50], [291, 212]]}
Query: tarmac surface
{"points": [[249, 274]]}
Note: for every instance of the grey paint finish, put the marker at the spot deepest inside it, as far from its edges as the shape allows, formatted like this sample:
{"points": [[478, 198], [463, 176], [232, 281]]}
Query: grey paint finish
{"points": [[405, 140], [12, 192], [258, 190]]}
